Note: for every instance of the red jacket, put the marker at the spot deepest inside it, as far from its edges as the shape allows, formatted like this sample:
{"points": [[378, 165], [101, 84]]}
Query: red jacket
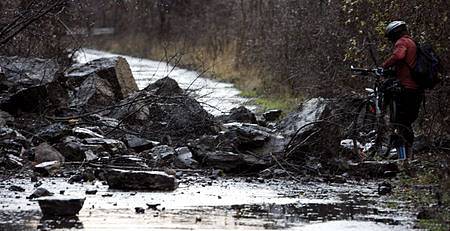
{"points": [[404, 55]]}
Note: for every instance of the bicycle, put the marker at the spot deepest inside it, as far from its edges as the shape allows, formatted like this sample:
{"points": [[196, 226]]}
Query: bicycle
{"points": [[371, 130]]}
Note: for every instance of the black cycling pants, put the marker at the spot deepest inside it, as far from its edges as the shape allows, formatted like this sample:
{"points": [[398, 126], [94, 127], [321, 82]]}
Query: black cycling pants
{"points": [[407, 105]]}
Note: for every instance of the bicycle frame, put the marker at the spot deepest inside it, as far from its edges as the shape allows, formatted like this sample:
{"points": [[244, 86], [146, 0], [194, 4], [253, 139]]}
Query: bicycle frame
{"points": [[375, 104]]}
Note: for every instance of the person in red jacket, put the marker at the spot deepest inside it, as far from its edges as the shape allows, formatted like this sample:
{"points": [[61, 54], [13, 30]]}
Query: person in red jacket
{"points": [[407, 102]]}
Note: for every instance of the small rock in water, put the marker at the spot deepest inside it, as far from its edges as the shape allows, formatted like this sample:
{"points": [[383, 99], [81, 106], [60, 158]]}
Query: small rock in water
{"points": [[60, 206], [40, 192], [139, 210], [384, 188], [91, 192], [16, 188], [153, 206], [37, 184]]}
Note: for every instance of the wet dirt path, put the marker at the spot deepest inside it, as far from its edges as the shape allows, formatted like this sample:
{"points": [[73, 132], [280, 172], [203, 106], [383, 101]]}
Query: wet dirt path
{"points": [[216, 97], [204, 203]]}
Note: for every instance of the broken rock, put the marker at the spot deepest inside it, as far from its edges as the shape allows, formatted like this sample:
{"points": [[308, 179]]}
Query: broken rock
{"points": [[60, 206], [140, 180], [47, 168], [139, 144], [52, 133], [242, 115], [109, 145], [94, 93], [114, 70], [184, 158]]}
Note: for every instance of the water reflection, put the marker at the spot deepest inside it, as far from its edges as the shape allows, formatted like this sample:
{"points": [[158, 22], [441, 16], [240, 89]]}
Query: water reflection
{"points": [[47, 223]]}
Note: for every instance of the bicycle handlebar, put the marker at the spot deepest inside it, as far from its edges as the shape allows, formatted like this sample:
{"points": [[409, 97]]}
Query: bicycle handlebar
{"points": [[376, 71]]}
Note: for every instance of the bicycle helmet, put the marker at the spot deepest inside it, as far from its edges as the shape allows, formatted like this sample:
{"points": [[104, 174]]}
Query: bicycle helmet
{"points": [[393, 28]]}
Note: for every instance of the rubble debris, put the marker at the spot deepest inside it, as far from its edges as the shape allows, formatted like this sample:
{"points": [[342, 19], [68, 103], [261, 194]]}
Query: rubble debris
{"points": [[52, 133], [12, 146], [63, 206], [140, 180], [5, 118], [163, 155], [10, 161], [128, 160], [111, 146], [160, 110], [185, 158]]}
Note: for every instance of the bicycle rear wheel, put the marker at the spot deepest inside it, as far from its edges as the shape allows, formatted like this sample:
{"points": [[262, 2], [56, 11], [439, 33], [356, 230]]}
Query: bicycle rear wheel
{"points": [[385, 130]]}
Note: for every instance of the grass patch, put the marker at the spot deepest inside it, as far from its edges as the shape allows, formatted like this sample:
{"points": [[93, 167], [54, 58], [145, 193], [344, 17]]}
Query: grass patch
{"points": [[285, 104], [433, 225], [425, 184]]}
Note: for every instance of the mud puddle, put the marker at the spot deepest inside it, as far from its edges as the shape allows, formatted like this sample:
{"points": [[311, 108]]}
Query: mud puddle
{"points": [[203, 203]]}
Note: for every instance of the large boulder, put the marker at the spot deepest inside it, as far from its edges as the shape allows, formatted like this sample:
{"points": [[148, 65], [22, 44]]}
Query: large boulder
{"points": [[115, 71], [309, 112], [22, 73], [140, 180], [45, 153], [24, 83], [163, 110]]}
